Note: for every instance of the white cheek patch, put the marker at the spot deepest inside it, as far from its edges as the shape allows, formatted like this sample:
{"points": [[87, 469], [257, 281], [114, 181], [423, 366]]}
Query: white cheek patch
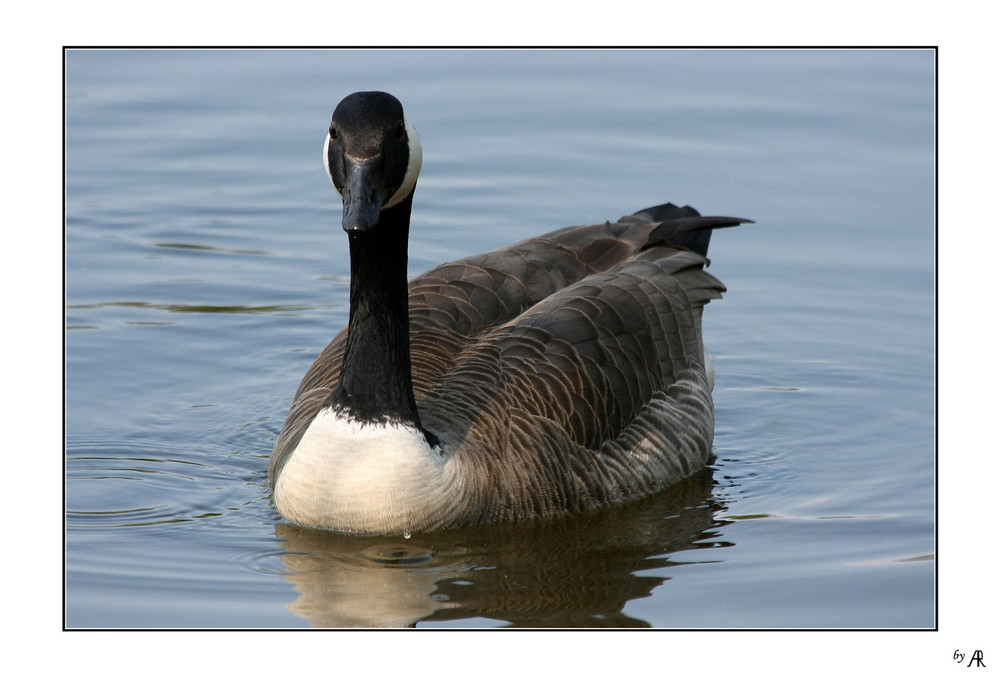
{"points": [[326, 161], [412, 167]]}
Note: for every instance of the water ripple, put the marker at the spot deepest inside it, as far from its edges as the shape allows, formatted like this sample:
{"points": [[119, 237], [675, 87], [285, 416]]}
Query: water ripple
{"points": [[131, 484]]}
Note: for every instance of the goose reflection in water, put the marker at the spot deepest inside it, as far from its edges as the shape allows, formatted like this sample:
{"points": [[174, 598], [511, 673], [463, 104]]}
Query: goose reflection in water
{"points": [[570, 571]]}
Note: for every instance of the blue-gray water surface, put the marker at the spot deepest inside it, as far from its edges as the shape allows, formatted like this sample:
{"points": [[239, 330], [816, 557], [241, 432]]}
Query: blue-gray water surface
{"points": [[206, 268]]}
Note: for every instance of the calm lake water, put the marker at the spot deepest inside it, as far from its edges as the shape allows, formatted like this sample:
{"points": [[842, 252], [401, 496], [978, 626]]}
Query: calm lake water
{"points": [[206, 268]]}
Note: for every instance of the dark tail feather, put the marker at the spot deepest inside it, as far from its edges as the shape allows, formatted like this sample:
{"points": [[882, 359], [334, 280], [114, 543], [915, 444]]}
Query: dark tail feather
{"points": [[684, 226]]}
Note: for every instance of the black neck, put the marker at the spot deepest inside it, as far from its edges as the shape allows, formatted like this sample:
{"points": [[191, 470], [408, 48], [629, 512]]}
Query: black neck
{"points": [[375, 382]]}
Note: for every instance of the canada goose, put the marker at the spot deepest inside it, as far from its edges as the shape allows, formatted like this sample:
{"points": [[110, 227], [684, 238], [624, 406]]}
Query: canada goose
{"points": [[556, 374]]}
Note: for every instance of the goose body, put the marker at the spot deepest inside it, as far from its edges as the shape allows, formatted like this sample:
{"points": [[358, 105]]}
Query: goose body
{"points": [[557, 374]]}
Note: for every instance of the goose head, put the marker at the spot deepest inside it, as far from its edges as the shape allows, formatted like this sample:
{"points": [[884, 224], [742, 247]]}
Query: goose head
{"points": [[373, 156]]}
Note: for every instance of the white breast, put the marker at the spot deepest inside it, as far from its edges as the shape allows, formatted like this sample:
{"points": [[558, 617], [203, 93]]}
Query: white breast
{"points": [[356, 477]]}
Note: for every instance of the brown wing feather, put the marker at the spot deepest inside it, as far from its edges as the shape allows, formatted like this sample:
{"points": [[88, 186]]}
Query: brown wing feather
{"points": [[595, 394]]}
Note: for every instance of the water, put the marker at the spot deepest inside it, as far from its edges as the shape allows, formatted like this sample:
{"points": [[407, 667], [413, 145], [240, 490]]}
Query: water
{"points": [[205, 269]]}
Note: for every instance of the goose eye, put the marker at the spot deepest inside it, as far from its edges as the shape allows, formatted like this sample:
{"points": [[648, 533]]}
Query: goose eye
{"points": [[400, 130], [333, 132]]}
